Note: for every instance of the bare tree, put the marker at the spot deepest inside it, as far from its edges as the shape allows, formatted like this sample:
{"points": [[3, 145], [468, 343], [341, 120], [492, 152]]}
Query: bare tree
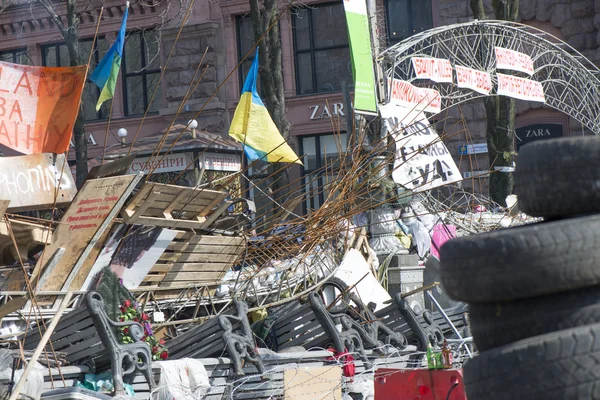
{"points": [[500, 113]]}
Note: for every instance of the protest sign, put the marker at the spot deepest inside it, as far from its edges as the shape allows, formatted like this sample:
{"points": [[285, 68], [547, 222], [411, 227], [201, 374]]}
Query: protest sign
{"points": [[38, 106], [513, 60], [435, 69], [520, 88], [468, 78], [422, 160], [405, 94]]}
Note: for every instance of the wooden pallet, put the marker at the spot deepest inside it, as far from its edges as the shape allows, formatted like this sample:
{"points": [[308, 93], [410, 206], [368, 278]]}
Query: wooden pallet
{"points": [[199, 259], [173, 206]]}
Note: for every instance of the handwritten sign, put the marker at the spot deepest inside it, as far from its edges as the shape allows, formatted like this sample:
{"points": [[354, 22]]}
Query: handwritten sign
{"points": [[520, 88], [33, 181], [404, 94], [435, 69], [81, 221], [38, 106], [422, 160], [468, 78], [513, 60]]}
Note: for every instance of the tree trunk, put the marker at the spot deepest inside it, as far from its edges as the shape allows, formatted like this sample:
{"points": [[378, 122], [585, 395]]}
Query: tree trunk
{"points": [[271, 79], [72, 41], [500, 113]]}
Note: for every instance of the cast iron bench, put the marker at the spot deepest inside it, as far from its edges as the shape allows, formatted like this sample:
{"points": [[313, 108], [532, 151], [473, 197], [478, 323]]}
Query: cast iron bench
{"points": [[88, 336], [229, 332]]}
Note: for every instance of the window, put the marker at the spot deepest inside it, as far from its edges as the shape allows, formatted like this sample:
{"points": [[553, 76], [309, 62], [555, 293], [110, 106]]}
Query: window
{"points": [[321, 163], [17, 56], [141, 72], [322, 56], [406, 18], [245, 41], [57, 55]]}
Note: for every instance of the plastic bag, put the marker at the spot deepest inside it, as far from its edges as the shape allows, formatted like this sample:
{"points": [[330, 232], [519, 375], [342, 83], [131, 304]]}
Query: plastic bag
{"points": [[101, 383], [184, 379]]}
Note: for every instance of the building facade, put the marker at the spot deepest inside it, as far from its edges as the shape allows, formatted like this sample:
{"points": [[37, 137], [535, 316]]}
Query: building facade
{"points": [[316, 61]]}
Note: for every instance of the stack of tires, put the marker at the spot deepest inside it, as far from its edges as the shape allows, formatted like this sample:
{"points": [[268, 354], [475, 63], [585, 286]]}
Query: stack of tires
{"points": [[534, 291]]}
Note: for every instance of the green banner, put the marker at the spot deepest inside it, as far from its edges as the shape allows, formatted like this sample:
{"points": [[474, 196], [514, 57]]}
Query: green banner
{"points": [[365, 98]]}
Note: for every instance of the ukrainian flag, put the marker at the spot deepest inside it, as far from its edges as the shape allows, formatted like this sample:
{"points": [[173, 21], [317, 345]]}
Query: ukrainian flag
{"points": [[106, 73], [253, 127]]}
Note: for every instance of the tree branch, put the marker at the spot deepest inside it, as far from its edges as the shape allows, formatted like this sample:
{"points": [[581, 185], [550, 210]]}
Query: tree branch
{"points": [[49, 6]]}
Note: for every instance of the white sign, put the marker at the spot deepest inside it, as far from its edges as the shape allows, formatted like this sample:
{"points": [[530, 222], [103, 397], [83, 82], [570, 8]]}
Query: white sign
{"points": [[327, 111], [404, 94], [422, 161], [221, 162], [475, 148], [170, 163], [435, 69], [520, 88], [513, 60], [469, 78], [476, 174]]}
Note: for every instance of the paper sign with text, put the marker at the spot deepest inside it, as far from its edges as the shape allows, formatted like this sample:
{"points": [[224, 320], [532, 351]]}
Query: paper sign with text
{"points": [[520, 88], [435, 69], [422, 160], [513, 60], [38, 106], [404, 94], [468, 78]]}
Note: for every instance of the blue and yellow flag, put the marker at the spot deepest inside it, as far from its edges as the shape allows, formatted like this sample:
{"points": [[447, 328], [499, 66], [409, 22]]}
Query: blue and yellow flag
{"points": [[253, 127], [106, 73]]}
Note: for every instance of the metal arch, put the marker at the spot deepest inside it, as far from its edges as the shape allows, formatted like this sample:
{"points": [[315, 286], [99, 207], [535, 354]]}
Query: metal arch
{"points": [[570, 80]]}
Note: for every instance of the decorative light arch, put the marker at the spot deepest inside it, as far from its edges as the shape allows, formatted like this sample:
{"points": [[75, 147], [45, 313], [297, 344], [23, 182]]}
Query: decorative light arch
{"points": [[571, 82]]}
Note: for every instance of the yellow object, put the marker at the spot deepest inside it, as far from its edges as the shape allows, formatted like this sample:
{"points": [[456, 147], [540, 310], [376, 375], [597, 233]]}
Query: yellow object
{"points": [[258, 315]]}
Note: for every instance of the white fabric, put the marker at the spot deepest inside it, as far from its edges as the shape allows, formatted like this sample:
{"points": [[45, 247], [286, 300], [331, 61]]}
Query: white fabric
{"points": [[184, 379]]}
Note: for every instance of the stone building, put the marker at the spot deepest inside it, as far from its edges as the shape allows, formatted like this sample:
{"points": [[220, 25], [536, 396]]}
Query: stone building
{"points": [[315, 62]]}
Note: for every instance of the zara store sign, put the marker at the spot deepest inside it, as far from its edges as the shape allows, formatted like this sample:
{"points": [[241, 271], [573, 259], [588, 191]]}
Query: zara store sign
{"points": [[328, 110]]}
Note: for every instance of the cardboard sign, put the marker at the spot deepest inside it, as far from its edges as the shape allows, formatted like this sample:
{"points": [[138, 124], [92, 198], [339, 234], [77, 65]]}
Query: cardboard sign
{"points": [[38, 106], [435, 69], [81, 221], [422, 160], [32, 182], [520, 88], [404, 94], [468, 78], [513, 60]]}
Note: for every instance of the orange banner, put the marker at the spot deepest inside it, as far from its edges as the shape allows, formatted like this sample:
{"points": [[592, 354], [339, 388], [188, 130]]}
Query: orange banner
{"points": [[38, 106]]}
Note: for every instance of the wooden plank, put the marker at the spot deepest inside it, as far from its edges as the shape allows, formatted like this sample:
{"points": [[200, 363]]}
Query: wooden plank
{"points": [[3, 206], [31, 182], [193, 276], [12, 306], [200, 267], [201, 253], [80, 224], [35, 232], [154, 278], [201, 258], [218, 240], [161, 268]]}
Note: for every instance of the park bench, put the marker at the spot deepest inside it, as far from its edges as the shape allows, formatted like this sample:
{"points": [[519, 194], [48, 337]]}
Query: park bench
{"points": [[88, 337]]}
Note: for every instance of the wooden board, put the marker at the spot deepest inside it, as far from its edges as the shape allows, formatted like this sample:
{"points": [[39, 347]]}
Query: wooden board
{"points": [[31, 182], [3, 206], [323, 383], [79, 224]]}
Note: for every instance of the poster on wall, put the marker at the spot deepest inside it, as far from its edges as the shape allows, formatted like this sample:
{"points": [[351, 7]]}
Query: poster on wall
{"points": [[422, 160], [131, 252], [365, 98]]}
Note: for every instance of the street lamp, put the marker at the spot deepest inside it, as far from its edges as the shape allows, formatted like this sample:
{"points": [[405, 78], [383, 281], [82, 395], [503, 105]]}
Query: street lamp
{"points": [[122, 133], [193, 124]]}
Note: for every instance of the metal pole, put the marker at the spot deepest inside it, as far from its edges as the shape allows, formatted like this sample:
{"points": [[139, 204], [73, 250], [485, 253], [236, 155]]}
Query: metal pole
{"points": [[448, 320]]}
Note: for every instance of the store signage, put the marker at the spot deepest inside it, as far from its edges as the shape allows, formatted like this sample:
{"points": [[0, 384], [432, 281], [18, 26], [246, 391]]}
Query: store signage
{"points": [[404, 94], [160, 164], [531, 133], [91, 141], [520, 88], [221, 162], [36, 181], [435, 69], [513, 60], [468, 78], [327, 110], [475, 148], [422, 160]]}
